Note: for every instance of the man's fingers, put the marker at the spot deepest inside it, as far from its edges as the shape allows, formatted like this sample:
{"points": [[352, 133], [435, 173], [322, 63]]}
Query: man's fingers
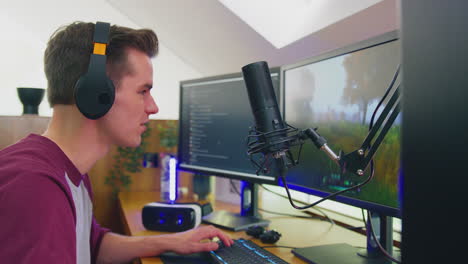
{"points": [[215, 232], [208, 246], [227, 241]]}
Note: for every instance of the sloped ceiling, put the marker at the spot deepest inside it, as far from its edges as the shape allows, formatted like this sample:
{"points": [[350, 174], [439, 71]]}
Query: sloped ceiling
{"points": [[213, 40]]}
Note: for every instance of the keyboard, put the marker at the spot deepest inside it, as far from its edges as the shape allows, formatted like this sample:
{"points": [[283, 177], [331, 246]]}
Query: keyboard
{"points": [[244, 251]]}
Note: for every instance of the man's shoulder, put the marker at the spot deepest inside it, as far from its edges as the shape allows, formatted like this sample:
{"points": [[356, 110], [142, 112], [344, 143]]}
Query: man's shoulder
{"points": [[28, 170], [28, 156], [26, 149]]}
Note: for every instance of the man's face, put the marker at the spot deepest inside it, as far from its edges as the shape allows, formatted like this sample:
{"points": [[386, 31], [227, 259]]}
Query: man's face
{"points": [[124, 123]]}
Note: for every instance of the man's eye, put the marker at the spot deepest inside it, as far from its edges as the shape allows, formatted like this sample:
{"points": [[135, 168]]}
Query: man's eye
{"points": [[143, 92]]}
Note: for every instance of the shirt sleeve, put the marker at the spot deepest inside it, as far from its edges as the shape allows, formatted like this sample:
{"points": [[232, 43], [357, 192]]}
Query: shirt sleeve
{"points": [[97, 233], [38, 223]]}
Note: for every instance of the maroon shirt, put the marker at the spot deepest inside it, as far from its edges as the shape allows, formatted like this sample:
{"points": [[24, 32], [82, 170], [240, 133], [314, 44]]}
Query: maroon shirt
{"points": [[37, 209]]}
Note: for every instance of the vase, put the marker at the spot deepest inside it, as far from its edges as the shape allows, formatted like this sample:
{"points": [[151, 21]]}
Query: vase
{"points": [[30, 98]]}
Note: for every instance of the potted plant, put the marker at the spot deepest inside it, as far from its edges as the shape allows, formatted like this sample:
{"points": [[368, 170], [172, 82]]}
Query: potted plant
{"points": [[168, 133]]}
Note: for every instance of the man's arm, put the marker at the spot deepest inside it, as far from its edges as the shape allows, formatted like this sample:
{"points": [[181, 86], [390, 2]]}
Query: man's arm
{"points": [[37, 221], [122, 249]]}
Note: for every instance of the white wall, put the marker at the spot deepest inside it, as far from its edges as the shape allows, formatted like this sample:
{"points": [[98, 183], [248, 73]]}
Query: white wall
{"points": [[27, 26]]}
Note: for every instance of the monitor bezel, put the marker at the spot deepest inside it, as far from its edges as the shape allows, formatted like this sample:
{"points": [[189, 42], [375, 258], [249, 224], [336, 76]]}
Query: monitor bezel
{"points": [[210, 171], [365, 44]]}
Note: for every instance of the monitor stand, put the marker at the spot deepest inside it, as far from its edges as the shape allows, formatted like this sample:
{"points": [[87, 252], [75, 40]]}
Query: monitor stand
{"points": [[248, 215], [347, 254]]}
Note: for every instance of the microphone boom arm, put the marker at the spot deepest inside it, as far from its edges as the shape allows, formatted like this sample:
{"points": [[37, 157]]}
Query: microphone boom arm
{"points": [[358, 160]]}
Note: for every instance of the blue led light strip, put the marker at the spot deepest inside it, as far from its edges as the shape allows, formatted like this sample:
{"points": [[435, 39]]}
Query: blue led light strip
{"points": [[172, 179]]}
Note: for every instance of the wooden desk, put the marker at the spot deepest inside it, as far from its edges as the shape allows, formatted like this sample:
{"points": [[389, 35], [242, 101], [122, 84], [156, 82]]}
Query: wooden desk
{"points": [[296, 232]]}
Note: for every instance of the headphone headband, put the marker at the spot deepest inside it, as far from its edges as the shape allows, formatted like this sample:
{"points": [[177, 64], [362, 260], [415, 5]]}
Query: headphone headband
{"points": [[101, 32], [101, 38], [94, 91]]}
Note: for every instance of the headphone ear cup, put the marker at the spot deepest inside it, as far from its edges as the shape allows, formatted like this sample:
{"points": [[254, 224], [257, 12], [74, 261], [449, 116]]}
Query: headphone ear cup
{"points": [[270, 237], [94, 97], [94, 91]]}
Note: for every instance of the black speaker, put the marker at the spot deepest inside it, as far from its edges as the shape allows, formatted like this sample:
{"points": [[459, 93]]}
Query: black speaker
{"points": [[94, 91]]}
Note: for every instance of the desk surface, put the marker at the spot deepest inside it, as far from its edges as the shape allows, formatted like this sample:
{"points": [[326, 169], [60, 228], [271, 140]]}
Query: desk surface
{"points": [[296, 232]]}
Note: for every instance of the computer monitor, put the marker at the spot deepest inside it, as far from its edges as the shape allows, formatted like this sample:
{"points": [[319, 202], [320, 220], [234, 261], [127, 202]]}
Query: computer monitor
{"points": [[214, 121], [337, 93]]}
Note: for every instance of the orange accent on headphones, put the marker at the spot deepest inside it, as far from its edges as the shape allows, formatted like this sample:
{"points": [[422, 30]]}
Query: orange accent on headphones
{"points": [[99, 48]]}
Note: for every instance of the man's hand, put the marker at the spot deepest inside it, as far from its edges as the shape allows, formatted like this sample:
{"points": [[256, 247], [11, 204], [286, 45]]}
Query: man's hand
{"points": [[122, 249], [195, 240]]}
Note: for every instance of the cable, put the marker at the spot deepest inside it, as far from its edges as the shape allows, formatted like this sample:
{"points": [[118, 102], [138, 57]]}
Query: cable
{"points": [[291, 215], [369, 222], [369, 226], [357, 228], [395, 76], [277, 213], [326, 197], [277, 247], [231, 181], [278, 194], [384, 252], [371, 229], [363, 217]]}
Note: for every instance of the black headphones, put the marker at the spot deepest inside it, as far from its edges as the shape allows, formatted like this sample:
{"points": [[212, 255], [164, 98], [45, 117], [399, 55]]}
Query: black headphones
{"points": [[267, 237], [94, 91]]}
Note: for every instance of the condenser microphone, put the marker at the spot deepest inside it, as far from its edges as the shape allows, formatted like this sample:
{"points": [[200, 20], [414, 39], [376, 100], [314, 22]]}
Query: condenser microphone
{"points": [[270, 131]]}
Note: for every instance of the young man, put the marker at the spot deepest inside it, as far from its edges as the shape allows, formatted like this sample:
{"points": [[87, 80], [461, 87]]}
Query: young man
{"points": [[45, 193]]}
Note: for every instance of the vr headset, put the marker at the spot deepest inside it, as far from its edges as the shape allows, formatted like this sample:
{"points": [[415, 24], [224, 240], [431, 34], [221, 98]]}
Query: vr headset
{"points": [[177, 217]]}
